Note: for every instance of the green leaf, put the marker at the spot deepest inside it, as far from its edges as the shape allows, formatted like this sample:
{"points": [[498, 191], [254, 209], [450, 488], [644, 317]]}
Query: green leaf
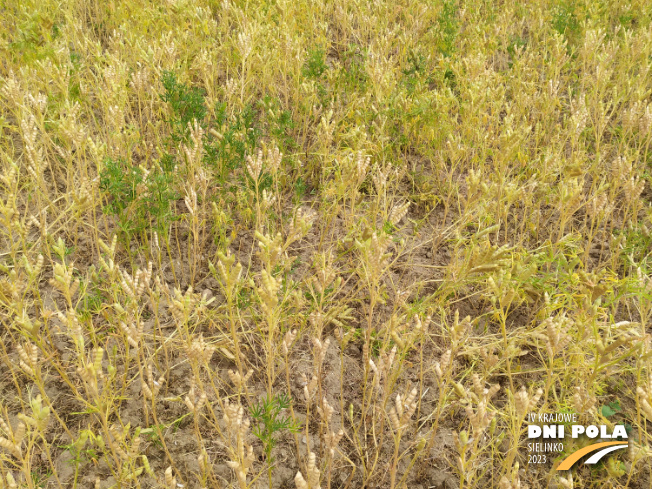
{"points": [[607, 411], [610, 409]]}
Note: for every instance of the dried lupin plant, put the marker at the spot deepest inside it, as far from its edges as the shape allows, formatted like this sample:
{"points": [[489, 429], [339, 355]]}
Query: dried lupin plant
{"points": [[381, 371], [443, 364], [379, 177], [182, 305], [151, 387], [63, 280], [230, 272], [514, 482], [170, 480], [11, 482], [241, 454], [309, 387], [239, 381], [71, 321], [288, 341], [300, 225], [255, 165], [40, 416], [403, 410], [28, 355], [274, 157], [312, 472], [13, 443], [524, 403], [194, 401], [567, 482], [556, 336], [481, 417], [319, 354], [200, 351], [331, 438], [644, 393], [361, 165], [583, 401], [134, 333]]}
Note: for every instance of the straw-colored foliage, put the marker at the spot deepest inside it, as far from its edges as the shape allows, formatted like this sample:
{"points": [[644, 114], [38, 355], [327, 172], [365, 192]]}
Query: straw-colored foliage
{"points": [[322, 244]]}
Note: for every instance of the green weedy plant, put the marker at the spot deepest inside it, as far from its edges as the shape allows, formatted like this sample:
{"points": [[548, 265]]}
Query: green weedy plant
{"points": [[353, 76], [233, 137], [236, 134], [448, 26], [267, 413], [313, 69], [564, 19], [187, 104], [415, 69], [137, 197], [280, 123], [315, 64], [119, 182], [39, 479]]}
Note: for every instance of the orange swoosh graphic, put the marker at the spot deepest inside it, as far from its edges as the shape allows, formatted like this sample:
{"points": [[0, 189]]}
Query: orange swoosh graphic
{"points": [[569, 461]]}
